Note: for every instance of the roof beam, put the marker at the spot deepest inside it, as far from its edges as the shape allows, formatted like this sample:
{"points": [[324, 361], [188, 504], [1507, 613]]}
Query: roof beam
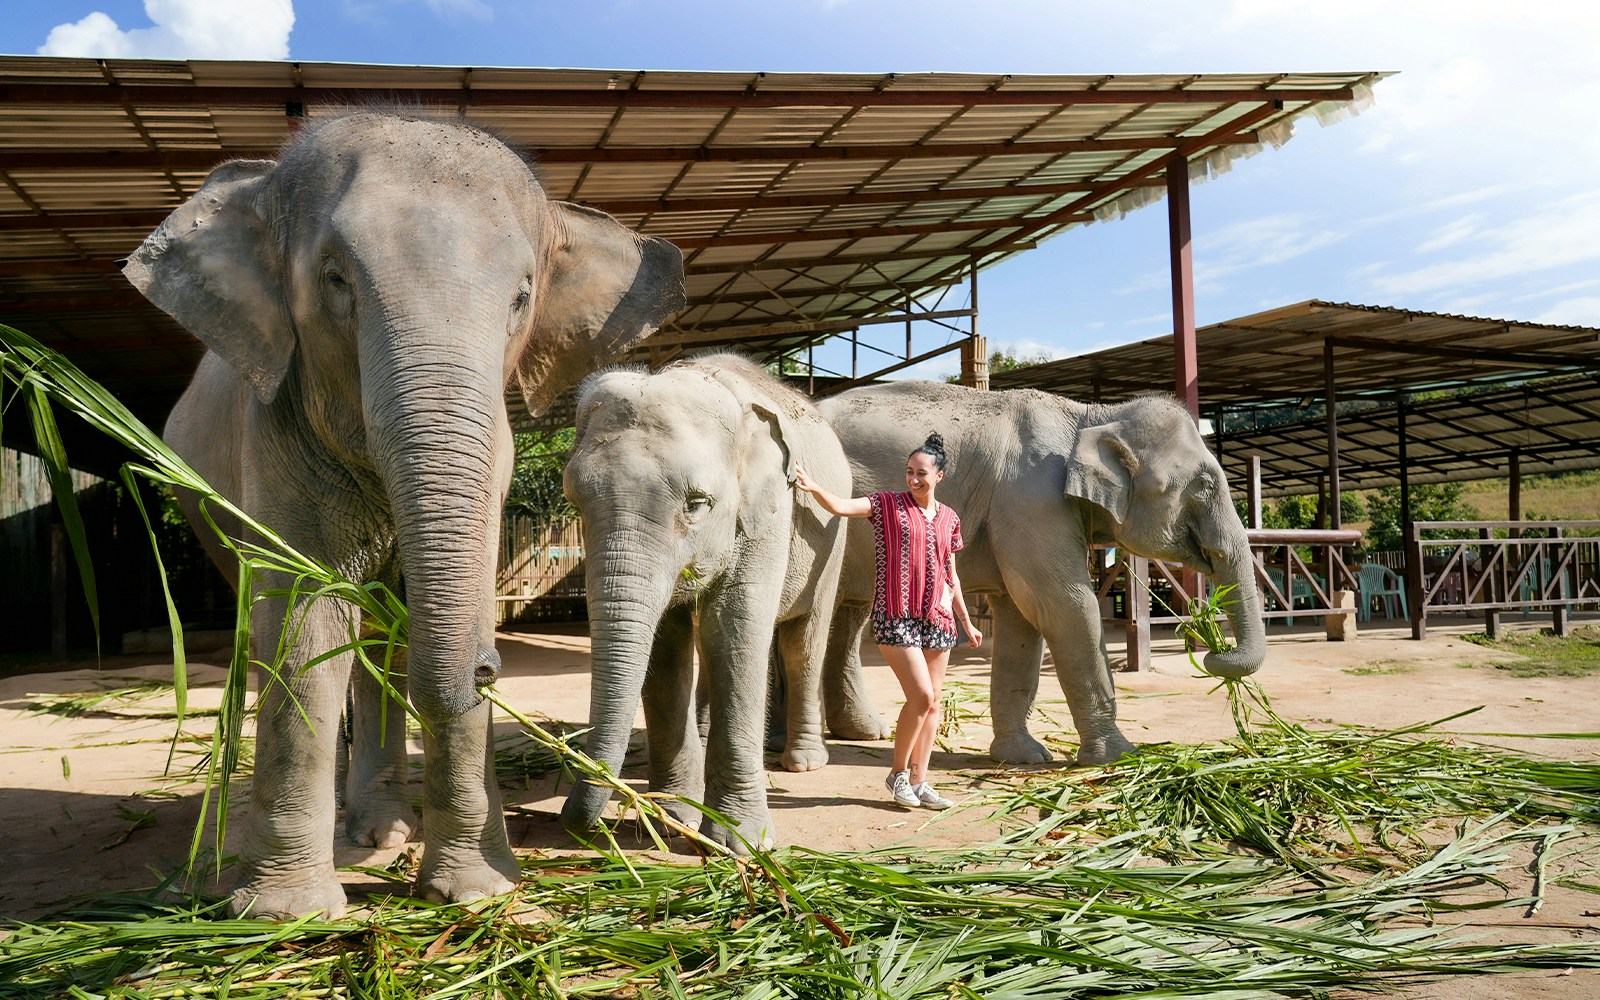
{"points": [[145, 96], [858, 233], [133, 218], [1541, 361], [859, 260], [204, 159], [820, 199]]}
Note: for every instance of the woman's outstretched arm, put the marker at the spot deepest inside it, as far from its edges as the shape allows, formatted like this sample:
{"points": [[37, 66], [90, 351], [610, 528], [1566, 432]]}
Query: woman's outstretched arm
{"points": [[854, 507]]}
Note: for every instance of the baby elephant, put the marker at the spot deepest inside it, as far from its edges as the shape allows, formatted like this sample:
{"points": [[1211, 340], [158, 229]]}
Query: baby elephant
{"points": [[683, 480]]}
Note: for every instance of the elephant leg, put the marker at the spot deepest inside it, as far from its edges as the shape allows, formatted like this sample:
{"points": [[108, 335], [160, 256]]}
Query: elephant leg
{"points": [[672, 732], [286, 856], [378, 810], [1077, 645], [801, 642], [1014, 684], [466, 854], [735, 644], [851, 715], [777, 703]]}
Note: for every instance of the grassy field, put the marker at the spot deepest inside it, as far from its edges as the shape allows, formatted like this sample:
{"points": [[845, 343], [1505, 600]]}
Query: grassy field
{"points": [[1572, 497]]}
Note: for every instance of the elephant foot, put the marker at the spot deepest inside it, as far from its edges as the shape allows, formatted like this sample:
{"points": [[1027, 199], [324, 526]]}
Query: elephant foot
{"points": [[380, 821], [1104, 750], [755, 833], [463, 878], [805, 755], [683, 811], [285, 899], [858, 724], [1019, 748]]}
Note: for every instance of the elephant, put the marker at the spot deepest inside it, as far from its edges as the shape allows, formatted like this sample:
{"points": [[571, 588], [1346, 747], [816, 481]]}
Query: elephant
{"points": [[1036, 479], [683, 479], [365, 301]]}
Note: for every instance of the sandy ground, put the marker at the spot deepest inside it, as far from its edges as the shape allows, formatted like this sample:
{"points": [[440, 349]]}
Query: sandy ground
{"points": [[87, 808]]}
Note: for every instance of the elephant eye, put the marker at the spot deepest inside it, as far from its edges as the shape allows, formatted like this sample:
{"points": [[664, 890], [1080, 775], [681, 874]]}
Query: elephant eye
{"points": [[524, 295], [696, 504]]}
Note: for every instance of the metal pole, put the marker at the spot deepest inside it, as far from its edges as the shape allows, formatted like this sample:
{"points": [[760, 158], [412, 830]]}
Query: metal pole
{"points": [[1185, 364], [1332, 398], [1253, 492], [1408, 535], [854, 343], [811, 370]]}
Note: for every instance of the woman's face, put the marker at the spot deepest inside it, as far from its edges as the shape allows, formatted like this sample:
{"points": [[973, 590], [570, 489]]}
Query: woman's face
{"points": [[922, 475]]}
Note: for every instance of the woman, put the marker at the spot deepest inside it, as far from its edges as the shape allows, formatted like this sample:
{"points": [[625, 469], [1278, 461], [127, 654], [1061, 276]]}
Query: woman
{"points": [[915, 606]]}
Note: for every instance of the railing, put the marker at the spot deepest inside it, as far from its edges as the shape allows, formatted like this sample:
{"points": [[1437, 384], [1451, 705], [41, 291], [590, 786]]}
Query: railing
{"points": [[1136, 593], [1537, 565], [540, 573]]}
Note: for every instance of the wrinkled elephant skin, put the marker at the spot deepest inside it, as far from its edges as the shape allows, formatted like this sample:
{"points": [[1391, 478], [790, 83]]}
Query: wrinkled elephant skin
{"points": [[365, 301], [1037, 479], [683, 479]]}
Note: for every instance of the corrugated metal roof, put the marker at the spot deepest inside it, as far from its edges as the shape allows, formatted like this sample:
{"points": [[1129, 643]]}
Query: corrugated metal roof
{"points": [[810, 200], [1550, 425], [1277, 357]]}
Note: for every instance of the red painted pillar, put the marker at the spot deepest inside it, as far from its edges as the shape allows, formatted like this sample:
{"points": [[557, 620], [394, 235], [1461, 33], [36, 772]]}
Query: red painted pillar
{"points": [[1187, 382]]}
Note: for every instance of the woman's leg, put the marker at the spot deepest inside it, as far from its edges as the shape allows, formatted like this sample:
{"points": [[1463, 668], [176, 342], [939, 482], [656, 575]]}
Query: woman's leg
{"points": [[911, 670], [936, 660]]}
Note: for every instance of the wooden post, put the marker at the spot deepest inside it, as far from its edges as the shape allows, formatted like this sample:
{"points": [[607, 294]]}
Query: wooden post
{"points": [[1559, 617], [1186, 367], [58, 589], [1514, 491], [1332, 399], [1253, 492], [1138, 627], [1414, 596], [1491, 617]]}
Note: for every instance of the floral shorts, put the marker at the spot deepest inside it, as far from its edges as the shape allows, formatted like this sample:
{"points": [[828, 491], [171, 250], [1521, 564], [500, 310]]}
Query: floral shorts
{"points": [[916, 633]]}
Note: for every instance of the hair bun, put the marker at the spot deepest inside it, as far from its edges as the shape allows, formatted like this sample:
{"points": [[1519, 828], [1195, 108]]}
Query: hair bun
{"points": [[935, 441]]}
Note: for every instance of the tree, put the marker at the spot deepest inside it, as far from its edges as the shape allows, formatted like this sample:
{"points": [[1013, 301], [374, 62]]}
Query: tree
{"points": [[1433, 502], [536, 478]]}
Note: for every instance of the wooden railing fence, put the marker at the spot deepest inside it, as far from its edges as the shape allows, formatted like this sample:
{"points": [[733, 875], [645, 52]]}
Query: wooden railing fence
{"points": [[540, 576], [1538, 565]]}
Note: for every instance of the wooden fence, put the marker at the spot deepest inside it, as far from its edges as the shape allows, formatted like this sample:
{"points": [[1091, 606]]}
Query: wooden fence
{"points": [[540, 577], [1297, 572], [1538, 565]]}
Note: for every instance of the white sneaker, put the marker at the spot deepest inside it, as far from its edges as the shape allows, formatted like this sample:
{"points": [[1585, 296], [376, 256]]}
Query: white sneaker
{"points": [[899, 785], [928, 798]]}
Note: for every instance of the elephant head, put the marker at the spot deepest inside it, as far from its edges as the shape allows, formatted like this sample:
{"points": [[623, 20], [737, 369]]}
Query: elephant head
{"points": [[378, 288], [682, 480], [1166, 497]]}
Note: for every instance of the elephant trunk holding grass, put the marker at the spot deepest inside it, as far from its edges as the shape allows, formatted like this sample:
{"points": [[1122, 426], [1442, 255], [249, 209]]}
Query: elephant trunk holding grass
{"points": [[365, 301], [1038, 478], [683, 480]]}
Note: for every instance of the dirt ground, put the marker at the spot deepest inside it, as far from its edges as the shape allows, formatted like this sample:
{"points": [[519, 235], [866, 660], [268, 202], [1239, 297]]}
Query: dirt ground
{"points": [[87, 808]]}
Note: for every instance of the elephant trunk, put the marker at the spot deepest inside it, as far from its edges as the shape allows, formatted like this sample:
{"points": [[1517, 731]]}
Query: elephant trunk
{"points": [[1244, 614], [630, 583], [434, 443]]}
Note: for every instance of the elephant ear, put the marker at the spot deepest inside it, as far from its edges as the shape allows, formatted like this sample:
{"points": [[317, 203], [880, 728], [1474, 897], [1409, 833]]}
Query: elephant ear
{"points": [[210, 267], [766, 489], [607, 288], [1101, 469]]}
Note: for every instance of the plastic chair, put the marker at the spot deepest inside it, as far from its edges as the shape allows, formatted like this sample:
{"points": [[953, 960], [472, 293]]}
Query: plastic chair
{"points": [[1302, 588], [1378, 582]]}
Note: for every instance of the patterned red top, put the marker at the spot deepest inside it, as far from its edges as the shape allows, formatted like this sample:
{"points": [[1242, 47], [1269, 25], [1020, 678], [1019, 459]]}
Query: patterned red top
{"points": [[916, 559]]}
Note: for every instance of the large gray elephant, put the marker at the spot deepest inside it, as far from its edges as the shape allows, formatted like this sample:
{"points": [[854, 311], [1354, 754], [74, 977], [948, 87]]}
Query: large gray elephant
{"points": [[683, 479], [365, 301], [1036, 479]]}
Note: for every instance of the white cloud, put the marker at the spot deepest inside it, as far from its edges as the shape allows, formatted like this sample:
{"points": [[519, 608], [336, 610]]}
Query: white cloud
{"points": [[183, 29], [1561, 234], [477, 10], [1581, 311], [1451, 233]]}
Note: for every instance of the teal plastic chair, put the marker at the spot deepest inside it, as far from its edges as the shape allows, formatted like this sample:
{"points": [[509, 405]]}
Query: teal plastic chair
{"points": [[1302, 588], [1377, 583]]}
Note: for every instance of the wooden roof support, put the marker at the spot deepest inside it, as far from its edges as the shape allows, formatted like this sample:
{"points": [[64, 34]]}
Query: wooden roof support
{"points": [[204, 159], [168, 96], [1186, 382]]}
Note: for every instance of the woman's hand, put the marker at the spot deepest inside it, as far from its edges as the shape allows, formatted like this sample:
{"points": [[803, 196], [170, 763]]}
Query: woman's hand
{"points": [[802, 482], [974, 637]]}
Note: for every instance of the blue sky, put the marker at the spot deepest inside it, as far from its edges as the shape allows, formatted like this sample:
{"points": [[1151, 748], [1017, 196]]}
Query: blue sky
{"points": [[1471, 186]]}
